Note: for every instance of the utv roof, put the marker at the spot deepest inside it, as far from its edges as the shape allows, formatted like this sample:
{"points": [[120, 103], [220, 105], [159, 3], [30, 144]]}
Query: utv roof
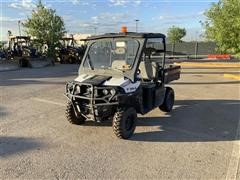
{"points": [[128, 34], [67, 38], [20, 37]]}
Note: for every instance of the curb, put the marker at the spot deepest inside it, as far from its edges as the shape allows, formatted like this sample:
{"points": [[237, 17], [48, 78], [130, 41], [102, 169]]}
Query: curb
{"points": [[232, 76], [216, 65]]}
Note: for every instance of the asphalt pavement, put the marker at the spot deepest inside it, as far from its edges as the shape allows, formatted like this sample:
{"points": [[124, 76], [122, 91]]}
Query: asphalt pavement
{"points": [[199, 139]]}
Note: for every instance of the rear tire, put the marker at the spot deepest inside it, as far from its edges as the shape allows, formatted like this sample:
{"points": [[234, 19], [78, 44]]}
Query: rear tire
{"points": [[168, 100], [23, 62], [71, 116], [71, 60], [58, 59], [124, 123]]}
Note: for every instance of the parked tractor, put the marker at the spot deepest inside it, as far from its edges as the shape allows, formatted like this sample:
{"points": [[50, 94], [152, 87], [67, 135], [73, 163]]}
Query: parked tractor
{"points": [[69, 53], [21, 49], [2, 54]]}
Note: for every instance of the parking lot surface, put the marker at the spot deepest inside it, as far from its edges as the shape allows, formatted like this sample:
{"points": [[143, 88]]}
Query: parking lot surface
{"points": [[199, 139]]}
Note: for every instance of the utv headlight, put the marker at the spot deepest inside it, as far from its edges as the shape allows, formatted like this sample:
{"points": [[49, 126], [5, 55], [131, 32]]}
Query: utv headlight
{"points": [[70, 87], [113, 92], [105, 92], [89, 90], [78, 90]]}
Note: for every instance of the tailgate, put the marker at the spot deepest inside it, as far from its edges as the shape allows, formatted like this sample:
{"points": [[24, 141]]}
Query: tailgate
{"points": [[171, 73]]}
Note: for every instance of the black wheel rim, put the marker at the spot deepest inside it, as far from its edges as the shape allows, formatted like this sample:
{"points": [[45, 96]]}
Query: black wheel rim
{"points": [[129, 122]]}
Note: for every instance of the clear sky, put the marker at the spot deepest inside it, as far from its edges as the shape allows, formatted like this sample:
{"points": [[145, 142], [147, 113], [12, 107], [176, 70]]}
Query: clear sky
{"points": [[88, 16]]}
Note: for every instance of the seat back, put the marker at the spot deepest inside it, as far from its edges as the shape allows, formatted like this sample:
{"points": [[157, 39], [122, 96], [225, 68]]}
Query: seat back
{"points": [[148, 70], [118, 64]]}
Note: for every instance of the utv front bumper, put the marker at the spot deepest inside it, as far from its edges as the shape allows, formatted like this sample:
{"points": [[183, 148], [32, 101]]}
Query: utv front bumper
{"points": [[91, 101], [91, 94]]}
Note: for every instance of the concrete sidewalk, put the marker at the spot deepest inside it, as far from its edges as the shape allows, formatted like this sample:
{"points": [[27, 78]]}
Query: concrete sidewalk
{"points": [[232, 76]]}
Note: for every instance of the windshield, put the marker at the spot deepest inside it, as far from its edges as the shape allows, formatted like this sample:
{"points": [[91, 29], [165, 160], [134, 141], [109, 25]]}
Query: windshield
{"points": [[116, 54]]}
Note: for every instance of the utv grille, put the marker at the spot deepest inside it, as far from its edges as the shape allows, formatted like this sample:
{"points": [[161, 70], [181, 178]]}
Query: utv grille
{"points": [[90, 95]]}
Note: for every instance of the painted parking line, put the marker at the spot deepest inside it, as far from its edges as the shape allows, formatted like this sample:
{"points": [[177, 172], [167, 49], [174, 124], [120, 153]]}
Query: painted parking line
{"points": [[233, 166], [49, 102], [214, 65], [232, 76]]}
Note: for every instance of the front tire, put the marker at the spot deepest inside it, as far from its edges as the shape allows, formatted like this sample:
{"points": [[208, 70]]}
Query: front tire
{"points": [[124, 123], [168, 100], [71, 116]]}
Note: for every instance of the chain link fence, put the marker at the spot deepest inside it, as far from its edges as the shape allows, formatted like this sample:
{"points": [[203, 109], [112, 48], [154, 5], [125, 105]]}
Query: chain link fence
{"points": [[191, 49]]}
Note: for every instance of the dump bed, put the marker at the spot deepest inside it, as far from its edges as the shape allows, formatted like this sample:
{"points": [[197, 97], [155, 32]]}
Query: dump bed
{"points": [[172, 73]]}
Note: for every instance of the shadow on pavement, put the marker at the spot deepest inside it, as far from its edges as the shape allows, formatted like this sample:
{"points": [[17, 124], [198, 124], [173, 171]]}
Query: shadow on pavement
{"points": [[194, 121], [209, 83], [210, 72], [16, 145], [236, 68], [2, 113], [190, 121], [38, 75]]}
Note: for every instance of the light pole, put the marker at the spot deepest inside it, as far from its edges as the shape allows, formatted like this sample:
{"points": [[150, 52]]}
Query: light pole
{"points": [[196, 46], [19, 27], [196, 35], [136, 20]]}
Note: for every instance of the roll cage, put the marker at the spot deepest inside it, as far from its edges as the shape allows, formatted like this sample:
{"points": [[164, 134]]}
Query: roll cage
{"points": [[142, 39], [67, 41], [19, 41]]}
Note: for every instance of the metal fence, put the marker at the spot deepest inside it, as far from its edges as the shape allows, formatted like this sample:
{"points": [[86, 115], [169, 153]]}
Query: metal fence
{"points": [[191, 49]]}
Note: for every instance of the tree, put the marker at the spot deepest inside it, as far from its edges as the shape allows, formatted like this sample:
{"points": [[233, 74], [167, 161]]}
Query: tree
{"points": [[44, 25], [175, 34], [222, 25]]}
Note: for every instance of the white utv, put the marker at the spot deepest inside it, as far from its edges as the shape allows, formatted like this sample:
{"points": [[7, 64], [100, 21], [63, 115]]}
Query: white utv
{"points": [[121, 75]]}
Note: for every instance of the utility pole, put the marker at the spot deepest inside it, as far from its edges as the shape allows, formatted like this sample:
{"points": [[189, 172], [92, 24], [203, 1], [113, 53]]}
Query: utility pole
{"points": [[19, 27], [196, 35], [136, 20], [196, 46], [95, 30]]}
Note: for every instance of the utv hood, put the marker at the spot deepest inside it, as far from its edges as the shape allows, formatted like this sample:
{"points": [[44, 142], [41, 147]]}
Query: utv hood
{"points": [[100, 80], [96, 80]]}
